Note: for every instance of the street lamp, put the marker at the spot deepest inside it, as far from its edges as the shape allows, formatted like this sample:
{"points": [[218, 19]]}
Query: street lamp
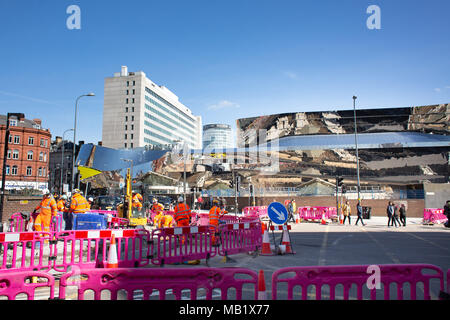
{"points": [[62, 162], [74, 136], [356, 146], [20, 116]]}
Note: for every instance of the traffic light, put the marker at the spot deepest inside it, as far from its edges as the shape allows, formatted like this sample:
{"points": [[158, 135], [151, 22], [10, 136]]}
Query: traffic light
{"points": [[344, 188], [339, 181], [231, 184]]}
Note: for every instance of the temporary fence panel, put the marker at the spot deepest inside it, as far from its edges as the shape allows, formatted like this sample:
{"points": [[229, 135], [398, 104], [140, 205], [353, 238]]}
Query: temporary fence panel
{"points": [[13, 285], [89, 248], [17, 223], [163, 284], [116, 223], [239, 237], [181, 244], [26, 251], [369, 281], [434, 215], [57, 223], [111, 212]]}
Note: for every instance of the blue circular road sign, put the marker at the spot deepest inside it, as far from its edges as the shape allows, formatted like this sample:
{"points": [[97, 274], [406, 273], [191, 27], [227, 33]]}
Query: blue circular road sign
{"points": [[277, 212]]}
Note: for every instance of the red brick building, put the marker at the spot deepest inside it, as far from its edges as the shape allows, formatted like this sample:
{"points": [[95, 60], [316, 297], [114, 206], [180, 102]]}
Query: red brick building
{"points": [[28, 153]]}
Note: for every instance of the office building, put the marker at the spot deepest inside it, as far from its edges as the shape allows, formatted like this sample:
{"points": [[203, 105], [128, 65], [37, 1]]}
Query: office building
{"points": [[137, 112], [217, 136]]}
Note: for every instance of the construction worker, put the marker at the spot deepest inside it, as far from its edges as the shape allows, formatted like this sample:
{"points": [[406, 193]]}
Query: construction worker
{"points": [[182, 213], [47, 209], [136, 200], [214, 216], [78, 205], [166, 221], [158, 209], [61, 204]]}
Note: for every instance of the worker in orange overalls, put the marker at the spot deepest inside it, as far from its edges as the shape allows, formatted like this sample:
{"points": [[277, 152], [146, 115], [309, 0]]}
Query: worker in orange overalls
{"points": [[136, 200], [214, 215], [61, 204], [158, 209], [78, 205], [182, 215], [166, 221], [47, 209]]}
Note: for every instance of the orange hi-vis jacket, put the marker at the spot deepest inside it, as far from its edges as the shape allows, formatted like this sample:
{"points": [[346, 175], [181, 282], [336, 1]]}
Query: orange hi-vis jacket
{"points": [[166, 221], [47, 207], [158, 208], [136, 200], [182, 212], [61, 205], [214, 215], [79, 204]]}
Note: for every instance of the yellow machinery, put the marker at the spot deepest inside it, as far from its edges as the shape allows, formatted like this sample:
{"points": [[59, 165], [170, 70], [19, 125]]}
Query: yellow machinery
{"points": [[134, 216]]}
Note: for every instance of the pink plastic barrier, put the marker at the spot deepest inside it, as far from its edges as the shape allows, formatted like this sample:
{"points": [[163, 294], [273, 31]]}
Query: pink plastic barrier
{"points": [[315, 213], [26, 251], [17, 283], [257, 211], [164, 284], [434, 216], [240, 237], [180, 244], [116, 223], [89, 248], [349, 276], [17, 223], [111, 212]]}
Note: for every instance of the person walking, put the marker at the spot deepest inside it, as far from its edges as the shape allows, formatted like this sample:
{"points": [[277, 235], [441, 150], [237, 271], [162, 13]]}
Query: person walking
{"points": [[359, 212], [346, 211], [395, 220], [403, 214], [390, 213], [290, 208]]}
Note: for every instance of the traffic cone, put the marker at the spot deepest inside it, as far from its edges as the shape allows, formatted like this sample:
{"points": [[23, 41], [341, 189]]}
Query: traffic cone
{"points": [[265, 250], [286, 242], [323, 221], [112, 254], [263, 228], [262, 294], [341, 219]]}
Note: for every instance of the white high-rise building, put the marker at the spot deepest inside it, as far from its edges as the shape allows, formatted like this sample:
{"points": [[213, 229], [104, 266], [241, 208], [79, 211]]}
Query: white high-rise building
{"points": [[217, 136], [137, 112]]}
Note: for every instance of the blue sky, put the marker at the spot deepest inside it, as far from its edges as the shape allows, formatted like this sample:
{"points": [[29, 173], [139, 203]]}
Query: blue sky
{"points": [[224, 59]]}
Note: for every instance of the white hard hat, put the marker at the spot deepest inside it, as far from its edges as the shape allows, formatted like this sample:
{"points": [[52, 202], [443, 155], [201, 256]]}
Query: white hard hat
{"points": [[180, 199], [64, 196], [45, 191], [91, 199]]}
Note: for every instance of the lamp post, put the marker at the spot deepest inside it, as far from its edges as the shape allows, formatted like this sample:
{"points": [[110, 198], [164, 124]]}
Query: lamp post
{"points": [[62, 162], [74, 136], [356, 146], [5, 154]]}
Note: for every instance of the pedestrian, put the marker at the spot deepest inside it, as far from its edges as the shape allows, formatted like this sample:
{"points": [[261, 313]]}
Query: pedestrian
{"points": [[290, 212], [359, 212], [395, 220], [390, 213], [200, 202], [403, 214], [346, 211]]}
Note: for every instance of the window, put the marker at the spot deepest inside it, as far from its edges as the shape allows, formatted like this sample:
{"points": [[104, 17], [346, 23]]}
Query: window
{"points": [[125, 144], [16, 139], [126, 100], [128, 92], [43, 172], [132, 109], [132, 127], [30, 155], [14, 170], [8, 170], [29, 171], [10, 139], [126, 109], [125, 136], [41, 156], [8, 156], [134, 91], [40, 171], [30, 141], [12, 122], [15, 154], [126, 118], [132, 145], [42, 143], [132, 118], [128, 83], [132, 136], [126, 127], [134, 82], [132, 100]]}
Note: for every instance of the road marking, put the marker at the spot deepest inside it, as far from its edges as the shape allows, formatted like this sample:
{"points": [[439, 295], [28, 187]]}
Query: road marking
{"points": [[335, 242], [322, 251], [430, 242]]}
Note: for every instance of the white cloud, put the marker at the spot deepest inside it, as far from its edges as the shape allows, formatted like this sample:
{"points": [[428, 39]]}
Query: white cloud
{"points": [[290, 74], [437, 89], [223, 104]]}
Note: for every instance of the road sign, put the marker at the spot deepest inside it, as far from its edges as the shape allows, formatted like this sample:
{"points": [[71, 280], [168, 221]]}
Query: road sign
{"points": [[277, 212]]}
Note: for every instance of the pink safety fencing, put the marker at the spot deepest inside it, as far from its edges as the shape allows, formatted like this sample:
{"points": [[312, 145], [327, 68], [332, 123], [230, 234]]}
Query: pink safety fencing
{"points": [[116, 223], [255, 211], [26, 251], [89, 248], [315, 213], [17, 285], [396, 282], [111, 212], [181, 244], [163, 284], [434, 215], [20, 223], [239, 237]]}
